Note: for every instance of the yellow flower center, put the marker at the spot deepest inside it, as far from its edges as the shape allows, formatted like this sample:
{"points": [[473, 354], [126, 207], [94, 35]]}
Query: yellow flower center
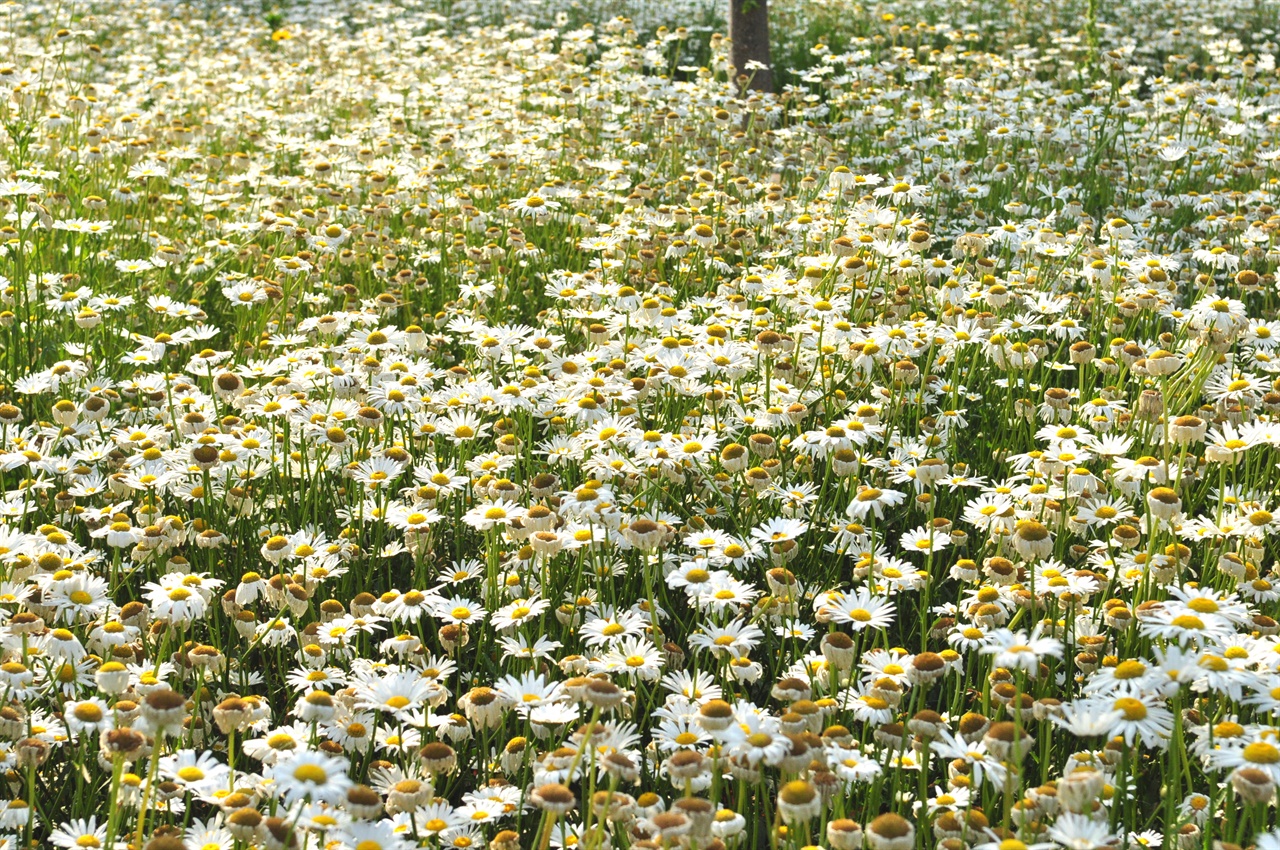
{"points": [[313, 773], [1131, 708], [1260, 752]]}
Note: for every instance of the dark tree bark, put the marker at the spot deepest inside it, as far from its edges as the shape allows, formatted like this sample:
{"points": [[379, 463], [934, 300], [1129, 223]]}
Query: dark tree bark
{"points": [[749, 31]]}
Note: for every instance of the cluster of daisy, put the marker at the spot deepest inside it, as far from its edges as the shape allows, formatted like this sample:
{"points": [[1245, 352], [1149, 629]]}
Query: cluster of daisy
{"points": [[469, 426]]}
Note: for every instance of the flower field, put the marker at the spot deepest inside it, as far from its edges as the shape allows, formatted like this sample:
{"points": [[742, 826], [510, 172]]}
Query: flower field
{"points": [[495, 425]]}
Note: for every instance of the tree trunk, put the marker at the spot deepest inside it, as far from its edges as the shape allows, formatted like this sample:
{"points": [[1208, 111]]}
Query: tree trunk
{"points": [[749, 31]]}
